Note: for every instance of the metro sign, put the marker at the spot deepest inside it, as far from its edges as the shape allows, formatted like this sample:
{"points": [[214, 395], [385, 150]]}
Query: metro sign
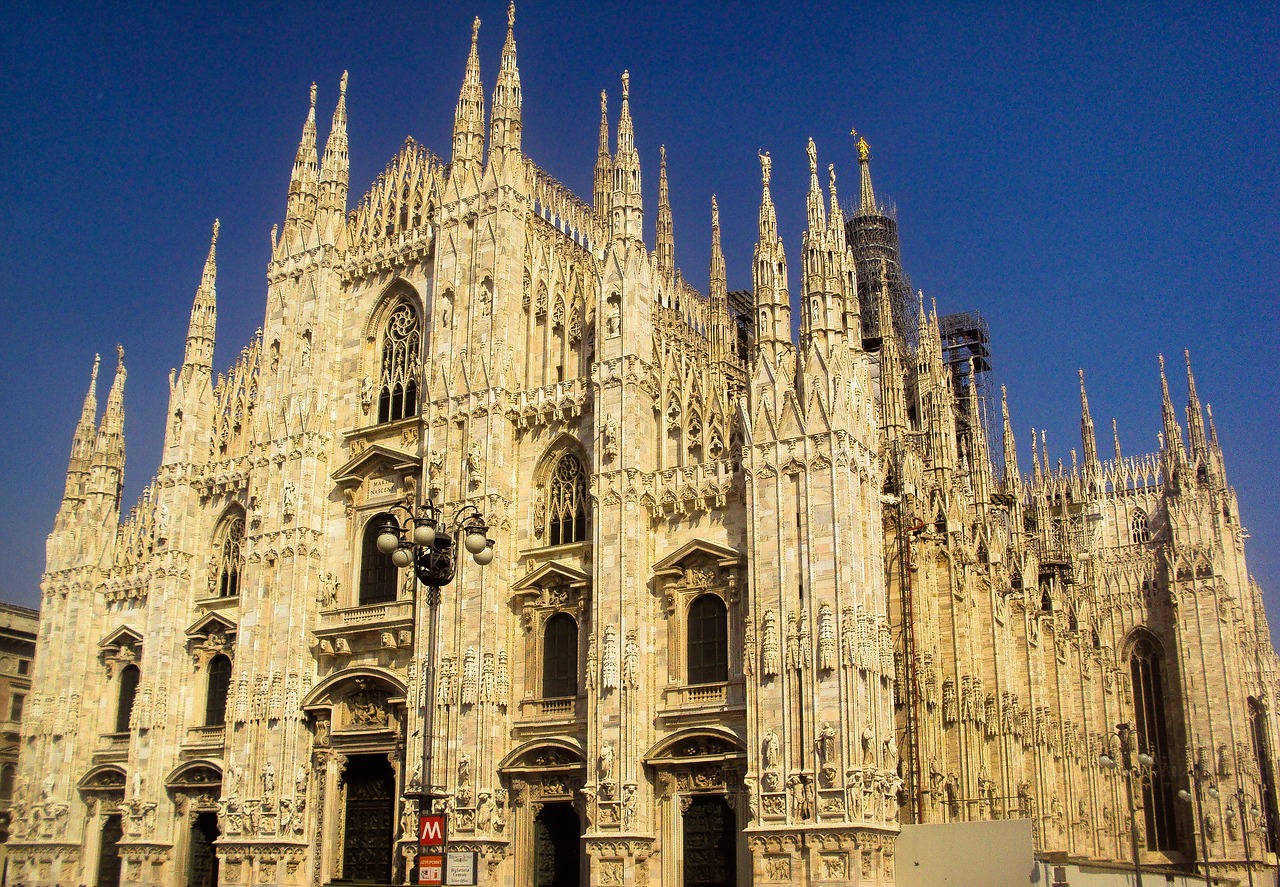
{"points": [[431, 830]]}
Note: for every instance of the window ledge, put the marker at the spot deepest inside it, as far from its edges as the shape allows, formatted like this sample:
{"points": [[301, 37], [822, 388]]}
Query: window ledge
{"points": [[558, 708], [230, 602], [583, 548], [373, 617], [209, 736]]}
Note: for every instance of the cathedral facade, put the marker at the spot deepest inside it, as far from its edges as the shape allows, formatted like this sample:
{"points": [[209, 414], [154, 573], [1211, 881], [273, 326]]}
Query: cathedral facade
{"points": [[756, 599]]}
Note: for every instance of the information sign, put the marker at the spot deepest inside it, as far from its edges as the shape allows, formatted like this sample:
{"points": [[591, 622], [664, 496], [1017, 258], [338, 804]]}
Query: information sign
{"points": [[460, 868], [431, 869]]}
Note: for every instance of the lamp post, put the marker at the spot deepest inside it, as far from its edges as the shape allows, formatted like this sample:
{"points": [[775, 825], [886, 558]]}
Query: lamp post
{"points": [[1246, 818], [1123, 731], [1199, 776], [422, 539]]}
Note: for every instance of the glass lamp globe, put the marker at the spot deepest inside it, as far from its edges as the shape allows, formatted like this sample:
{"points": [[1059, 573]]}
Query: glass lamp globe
{"points": [[388, 541], [1146, 760], [475, 541], [402, 557], [424, 533], [484, 556]]}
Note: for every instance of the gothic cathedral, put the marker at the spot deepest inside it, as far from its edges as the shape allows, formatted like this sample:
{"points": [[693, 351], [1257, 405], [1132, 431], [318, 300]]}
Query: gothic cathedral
{"points": [[756, 599]]}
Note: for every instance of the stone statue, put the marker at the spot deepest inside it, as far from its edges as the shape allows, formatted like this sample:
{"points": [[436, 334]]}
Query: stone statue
{"points": [[607, 761], [771, 751], [826, 743]]}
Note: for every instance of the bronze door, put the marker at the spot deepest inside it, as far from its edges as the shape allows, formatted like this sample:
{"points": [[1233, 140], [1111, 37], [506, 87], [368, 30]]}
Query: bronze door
{"points": [[109, 852], [557, 837], [710, 839], [370, 820], [203, 871]]}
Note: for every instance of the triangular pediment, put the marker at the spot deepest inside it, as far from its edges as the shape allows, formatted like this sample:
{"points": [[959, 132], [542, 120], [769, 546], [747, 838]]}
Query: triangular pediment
{"points": [[124, 636], [552, 575], [211, 623], [375, 460], [721, 554]]}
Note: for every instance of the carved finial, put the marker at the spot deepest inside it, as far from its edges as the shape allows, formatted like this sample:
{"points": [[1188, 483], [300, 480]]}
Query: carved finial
{"points": [[119, 355], [511, 15], [342, 84], [766, 166], [715, 212], [831, 174], [313, 95], [812, 151], [626, 84], [475, 30], [216, 225]]}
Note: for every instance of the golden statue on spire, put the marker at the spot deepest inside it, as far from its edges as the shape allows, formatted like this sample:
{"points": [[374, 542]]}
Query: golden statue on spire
{"points": [[864, 150]]}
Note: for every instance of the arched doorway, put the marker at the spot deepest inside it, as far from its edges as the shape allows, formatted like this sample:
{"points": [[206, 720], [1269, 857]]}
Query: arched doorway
{"points": [[702, 807], [710, 839], [545, 777], [557, 842], [103, 791], [369, 785], [195, 787]]}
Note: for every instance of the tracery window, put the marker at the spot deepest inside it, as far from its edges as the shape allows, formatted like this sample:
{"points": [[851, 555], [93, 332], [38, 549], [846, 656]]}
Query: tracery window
{"points": [[378, 575], [215, 700], [567, 502], [708, 640], [1139, 530], [560, 657], [1262, 753], [129, 677], [230, 556], [1153, 739], [401, 359]]}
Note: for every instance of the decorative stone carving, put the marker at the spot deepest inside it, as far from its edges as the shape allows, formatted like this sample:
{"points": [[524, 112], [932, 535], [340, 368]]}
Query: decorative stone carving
{"points": [[630, 661], [769, 656], [609, 669], [826, 638], [470, 677]]}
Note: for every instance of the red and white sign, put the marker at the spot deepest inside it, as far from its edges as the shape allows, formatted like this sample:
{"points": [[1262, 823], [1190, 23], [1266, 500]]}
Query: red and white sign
{"points": [[431, 870], [431, 830]]}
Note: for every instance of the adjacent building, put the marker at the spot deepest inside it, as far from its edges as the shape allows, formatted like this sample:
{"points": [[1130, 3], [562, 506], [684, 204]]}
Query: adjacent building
{"points": [[756, 600]]}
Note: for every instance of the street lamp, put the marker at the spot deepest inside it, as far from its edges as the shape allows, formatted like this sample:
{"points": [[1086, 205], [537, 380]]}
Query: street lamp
{"points": [[1123, 731], [1199, 776], [1246, 818], [422, 539]]}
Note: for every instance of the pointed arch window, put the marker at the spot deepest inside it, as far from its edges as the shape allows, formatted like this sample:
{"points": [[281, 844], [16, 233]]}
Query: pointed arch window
{"points": [[567, 502], [401, 364], [708, 640], [129, 677], [1153, 739], [1139, 527], [378, 575], [1266, 768], [230, 555], [215, 698], [560, 657]]}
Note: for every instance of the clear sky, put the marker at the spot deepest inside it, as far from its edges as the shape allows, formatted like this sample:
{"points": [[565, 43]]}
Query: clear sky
{"points": [[1100, 181]]}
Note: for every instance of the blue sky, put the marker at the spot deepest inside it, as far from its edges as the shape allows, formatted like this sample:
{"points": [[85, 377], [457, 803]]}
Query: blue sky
{"points": [[1100, 181]]}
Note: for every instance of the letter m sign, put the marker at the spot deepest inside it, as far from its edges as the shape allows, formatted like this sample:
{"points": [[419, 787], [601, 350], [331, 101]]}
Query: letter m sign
{"points": [[431, 830]]}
